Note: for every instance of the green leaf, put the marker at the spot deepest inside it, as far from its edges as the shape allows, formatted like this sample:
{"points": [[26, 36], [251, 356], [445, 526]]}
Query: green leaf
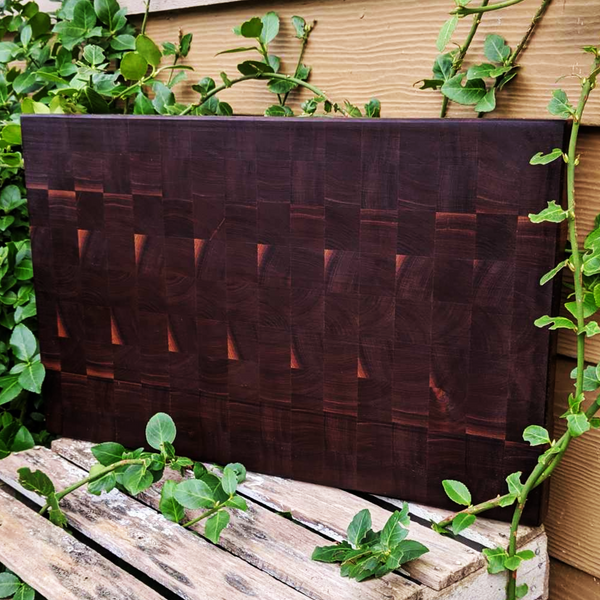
{"points": [[526, 554], [148, 50], [507, 500], [536, 435], [185, 44], [270, 27], [591, 381], [560, 105], [457, 492], [25, 592], [107, 11], [252, 28], [553, 272], [23, 440], [32, 377], [411, 550], [521, 590], [160, 429], [229, 481], [470, 93], [361, 523], [442, 67], [11, 388], [332, 554], [84, 15], [169, 506], [238, 468], [300, 26], [495, 48], [512, 563], [136, 479], [515, 487], [24, 82], [488, 102], [446, 32], [108, 453], [555, 323], [10, 197], [543, 159], [24, 270], [93, 54], [393, 532], [578, 424], [373, 108], [23, 342], [11, 134], [254, 67], [480, 71], [591, 329], [133, 66], [554, 213], [237, 502], [235, 50], [143, 105], [123, 42], [35, 481], [495, 558], [9, 584], [194, 493], [57, 517], [215, 525], [103, 484], [163, 98], [276, 110], [461, 522]]}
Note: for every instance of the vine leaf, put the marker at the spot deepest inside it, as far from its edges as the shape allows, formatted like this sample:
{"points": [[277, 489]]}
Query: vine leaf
{"points": [[515, 487], [215, 525], [457, 492], [555, 323], [160, 429], [543, 159], [470, 93], [168, 505], [488, 102], [446, 32], [461, 522], [495, 559], [361, 523], [560, 105], [522, 590], [496, 49], [536, 435], [553, 272], [578, 424], [108, 453], [554, 213]]}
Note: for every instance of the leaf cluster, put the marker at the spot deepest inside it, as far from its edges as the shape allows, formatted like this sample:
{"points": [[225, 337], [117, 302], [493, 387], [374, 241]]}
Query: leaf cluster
{"points": [[366, 553], [12, 587], [135, 471]]}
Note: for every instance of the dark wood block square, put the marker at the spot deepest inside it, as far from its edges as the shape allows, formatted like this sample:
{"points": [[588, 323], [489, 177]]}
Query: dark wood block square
{"points": [[348, 302]]}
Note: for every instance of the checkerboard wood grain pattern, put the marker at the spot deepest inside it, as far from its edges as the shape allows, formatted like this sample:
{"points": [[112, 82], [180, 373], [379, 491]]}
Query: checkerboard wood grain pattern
{"points": [[346, 302]]}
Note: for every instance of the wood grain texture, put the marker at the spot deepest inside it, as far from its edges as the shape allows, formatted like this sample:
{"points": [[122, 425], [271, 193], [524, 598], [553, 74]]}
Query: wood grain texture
{"points": [[572, 526], [137, 7], [568, 583], [143, 538], [57, 565], [273, 544], [343, 302], [361, 50]]}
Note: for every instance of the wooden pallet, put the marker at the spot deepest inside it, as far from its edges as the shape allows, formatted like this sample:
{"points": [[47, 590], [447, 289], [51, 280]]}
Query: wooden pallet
{"points": [[263, 554]]}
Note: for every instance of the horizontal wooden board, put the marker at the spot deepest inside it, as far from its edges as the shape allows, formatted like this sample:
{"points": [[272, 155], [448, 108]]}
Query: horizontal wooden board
{"points": [[568, 583], [146, 540], [273, 544], [57, 565], [572, 525], [361, 50]]}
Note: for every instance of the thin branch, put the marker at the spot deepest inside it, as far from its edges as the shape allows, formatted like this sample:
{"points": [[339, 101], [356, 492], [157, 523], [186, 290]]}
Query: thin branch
{"points": [[463, 11]]}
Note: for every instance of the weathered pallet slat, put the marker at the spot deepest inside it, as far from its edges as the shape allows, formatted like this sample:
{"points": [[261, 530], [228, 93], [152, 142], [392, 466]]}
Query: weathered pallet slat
{"points": [[275, 545], [329, 511], [487, 532], [57, 565], [184, 563]]}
